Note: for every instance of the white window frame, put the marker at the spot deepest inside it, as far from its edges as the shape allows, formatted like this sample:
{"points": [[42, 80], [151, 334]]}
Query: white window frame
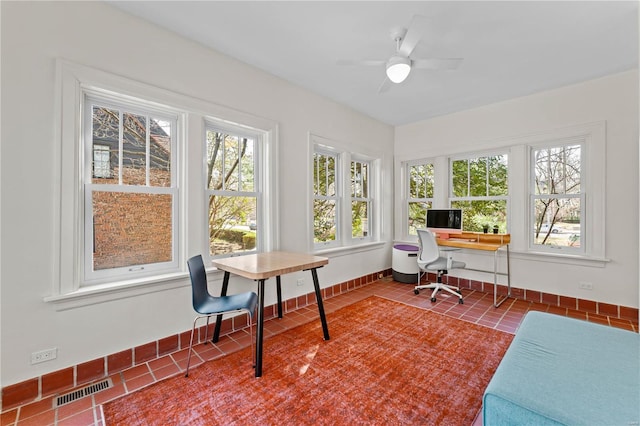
{"points": [[368, 199], [474, 156], [259, 141], [593, 180], [430, 201], [141, 107], [336, 197], [592, 183], [345, 154], [533, 246], [71, 81]]}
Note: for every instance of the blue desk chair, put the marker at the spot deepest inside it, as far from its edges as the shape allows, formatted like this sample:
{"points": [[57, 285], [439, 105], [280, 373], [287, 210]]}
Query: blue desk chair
{"points": [[429, 259], [207, 305]]}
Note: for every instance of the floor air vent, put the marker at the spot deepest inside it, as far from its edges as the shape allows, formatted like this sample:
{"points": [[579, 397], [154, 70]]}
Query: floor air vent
{"points": [[82, 392]]}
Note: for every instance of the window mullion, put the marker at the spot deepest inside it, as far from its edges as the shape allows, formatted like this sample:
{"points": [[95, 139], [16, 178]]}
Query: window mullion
{"points": [[120, 145], [148, 150]]}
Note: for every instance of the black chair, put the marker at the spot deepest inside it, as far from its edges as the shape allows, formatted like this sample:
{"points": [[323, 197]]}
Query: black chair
{"points": [[207, 305]]}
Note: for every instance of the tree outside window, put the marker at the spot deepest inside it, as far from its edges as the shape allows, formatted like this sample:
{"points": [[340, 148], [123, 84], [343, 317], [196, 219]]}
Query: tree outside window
{"points": [[232, 192], [557, 197], [360, 201], [420, 182], [325, 197], [479, 186]]}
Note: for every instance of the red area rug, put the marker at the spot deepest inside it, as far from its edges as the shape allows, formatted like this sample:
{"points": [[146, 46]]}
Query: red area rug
{"points": [[386, 363]]}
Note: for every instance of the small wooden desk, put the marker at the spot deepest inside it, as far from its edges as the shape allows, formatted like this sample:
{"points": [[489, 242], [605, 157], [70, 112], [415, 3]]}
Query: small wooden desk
{"points": [[485, 242], [262, 266]]}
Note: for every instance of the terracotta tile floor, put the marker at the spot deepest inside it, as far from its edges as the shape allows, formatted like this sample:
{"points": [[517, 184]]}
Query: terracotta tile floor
{"points": [[477, 308]]}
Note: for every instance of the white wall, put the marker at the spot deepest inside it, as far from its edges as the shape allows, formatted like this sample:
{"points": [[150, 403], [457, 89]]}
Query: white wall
{"points": [[34, 34], [613, 99]]}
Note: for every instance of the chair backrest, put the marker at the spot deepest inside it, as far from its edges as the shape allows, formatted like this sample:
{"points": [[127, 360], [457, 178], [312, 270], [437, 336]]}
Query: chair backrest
{"points": [[428, 247], [198, 281]]}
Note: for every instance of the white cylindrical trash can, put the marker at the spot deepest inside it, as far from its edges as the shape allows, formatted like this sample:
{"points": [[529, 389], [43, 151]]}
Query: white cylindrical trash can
{"points": [[404, 263]]}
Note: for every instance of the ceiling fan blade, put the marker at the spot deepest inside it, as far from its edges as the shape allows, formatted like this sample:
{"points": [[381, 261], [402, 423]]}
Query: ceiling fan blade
{"points": [[386, 84], [413, 35], [437, 63], [363, 62]]}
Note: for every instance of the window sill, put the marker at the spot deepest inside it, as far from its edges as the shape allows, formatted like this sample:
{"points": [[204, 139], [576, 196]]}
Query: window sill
{"points": [[567, 259], [346, 250], [101, 293]]}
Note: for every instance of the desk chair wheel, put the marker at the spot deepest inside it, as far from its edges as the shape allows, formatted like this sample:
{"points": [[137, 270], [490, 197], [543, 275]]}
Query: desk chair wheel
{"points": [[433, 299], [416, 291], [460, 301]]}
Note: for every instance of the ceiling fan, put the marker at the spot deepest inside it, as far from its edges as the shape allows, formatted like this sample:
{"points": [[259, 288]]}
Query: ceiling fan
{"points": [[401, 63]]}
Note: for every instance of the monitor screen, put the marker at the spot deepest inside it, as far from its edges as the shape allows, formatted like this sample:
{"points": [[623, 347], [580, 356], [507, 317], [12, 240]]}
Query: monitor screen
{"points": [[444, 221]]}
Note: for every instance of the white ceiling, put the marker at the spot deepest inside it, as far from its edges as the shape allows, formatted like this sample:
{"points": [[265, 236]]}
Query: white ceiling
{"points": [[510, 48]]}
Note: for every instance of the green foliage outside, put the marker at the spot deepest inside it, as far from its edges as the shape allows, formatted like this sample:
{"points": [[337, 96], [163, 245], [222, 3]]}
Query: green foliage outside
{"points": [[484, 177], [421, 182], [230, 168]]}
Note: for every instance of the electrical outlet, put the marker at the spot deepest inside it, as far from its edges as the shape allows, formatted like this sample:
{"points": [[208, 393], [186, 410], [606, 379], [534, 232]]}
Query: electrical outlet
{"points": [[43, 356], [584, 285], [300, 282]]}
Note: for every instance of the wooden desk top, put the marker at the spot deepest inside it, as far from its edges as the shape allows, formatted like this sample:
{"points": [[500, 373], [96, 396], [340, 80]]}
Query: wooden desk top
{"points": [[476, 241], [261, 266]]}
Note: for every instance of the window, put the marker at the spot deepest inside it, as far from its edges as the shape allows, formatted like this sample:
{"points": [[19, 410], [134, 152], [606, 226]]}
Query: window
{"points": [[547, 189], [360, 199], [420, 183], [134, 199], [479, 186], [557, 196], [101, 161], [233, 191], [129, 188], [344, 184], [326, 202]]}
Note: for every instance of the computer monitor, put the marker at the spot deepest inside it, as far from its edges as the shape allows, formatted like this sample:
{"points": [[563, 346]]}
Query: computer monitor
{"points": [[444, 222]]}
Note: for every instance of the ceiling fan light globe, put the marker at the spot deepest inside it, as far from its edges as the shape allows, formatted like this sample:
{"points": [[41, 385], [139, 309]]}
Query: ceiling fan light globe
{"points": [[398, 69]]}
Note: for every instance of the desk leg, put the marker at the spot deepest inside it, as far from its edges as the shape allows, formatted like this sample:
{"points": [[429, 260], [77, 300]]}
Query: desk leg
{"points": [[279, 291], [495, 279], [259, 328], [223, 292], [323, 319]]}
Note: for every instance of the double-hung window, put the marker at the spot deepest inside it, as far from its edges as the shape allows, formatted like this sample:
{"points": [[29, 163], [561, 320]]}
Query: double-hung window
{"points": [[345, 190], [136, 201], [360, 199], [233, 191], [420, 183], [326, 198], [557, 196], [130, 189], [479, 186]]}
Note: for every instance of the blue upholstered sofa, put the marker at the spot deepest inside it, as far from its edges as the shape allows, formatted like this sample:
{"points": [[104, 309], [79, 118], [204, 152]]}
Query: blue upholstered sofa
{"points": [[563, 371]]}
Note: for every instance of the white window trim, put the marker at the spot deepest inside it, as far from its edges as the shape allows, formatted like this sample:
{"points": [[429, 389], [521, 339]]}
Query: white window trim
{"points": [[90, 277], [406, 199], [517, 147], [475, 155], [71, 81], [261, 140], [591, 138], [338, 197], [532, 246], [368, 199], [346, 153]]}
